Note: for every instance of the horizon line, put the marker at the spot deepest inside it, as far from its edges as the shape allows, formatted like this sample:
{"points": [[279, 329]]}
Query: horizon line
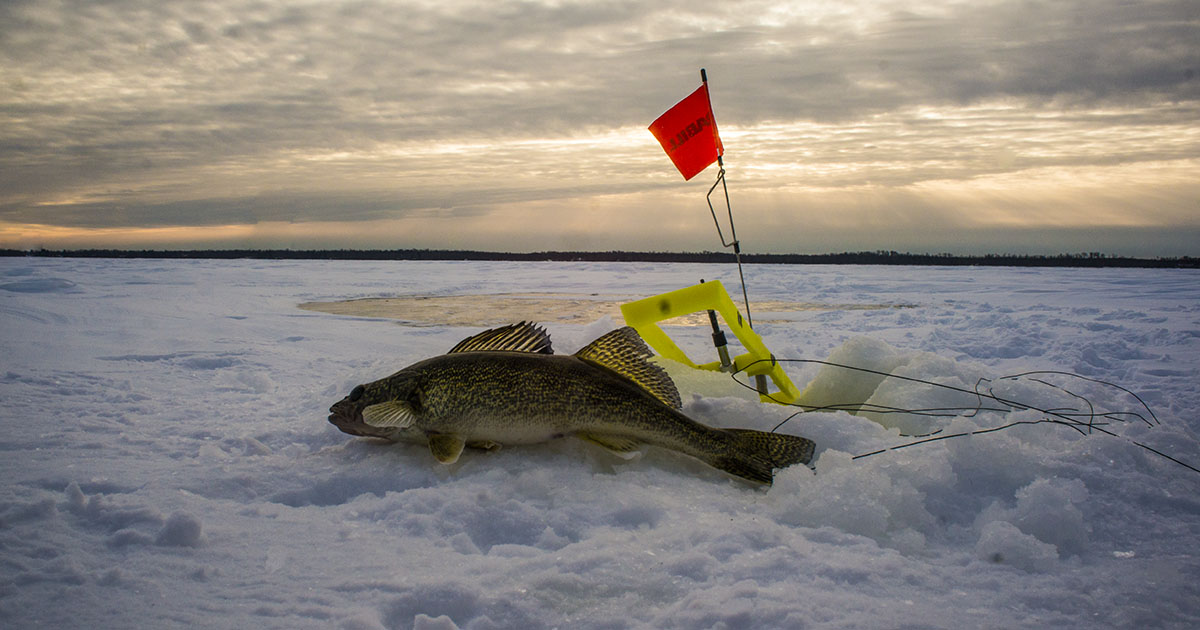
{"points": [[884, 257]]}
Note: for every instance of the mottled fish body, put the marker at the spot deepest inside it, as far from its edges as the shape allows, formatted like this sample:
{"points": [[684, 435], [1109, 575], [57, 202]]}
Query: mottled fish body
{"points": [[506, 387]]}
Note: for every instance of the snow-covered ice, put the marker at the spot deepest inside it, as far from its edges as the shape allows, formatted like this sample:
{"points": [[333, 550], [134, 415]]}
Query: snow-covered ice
{"points": [[167, 460]]}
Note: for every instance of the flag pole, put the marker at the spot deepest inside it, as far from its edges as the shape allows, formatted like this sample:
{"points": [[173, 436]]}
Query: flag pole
{"points": [[735, 243]]}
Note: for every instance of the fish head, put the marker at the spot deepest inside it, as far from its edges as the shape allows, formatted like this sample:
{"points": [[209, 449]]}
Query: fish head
{"points": [[394, 391]]}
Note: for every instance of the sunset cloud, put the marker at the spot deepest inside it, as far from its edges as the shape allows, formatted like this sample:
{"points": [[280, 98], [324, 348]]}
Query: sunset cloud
{"points": [[858, 124]]}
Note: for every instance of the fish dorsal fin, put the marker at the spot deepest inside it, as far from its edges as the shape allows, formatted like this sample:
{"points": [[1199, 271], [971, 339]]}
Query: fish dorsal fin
{"points": [[522, 337], [624, 352]]}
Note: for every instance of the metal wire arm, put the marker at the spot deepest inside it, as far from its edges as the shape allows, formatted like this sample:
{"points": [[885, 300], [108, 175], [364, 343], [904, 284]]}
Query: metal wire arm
{"points": [[735, 244]]}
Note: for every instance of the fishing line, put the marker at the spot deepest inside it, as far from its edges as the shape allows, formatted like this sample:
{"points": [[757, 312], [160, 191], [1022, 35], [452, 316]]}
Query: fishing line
{"points": [[1084, 419]]}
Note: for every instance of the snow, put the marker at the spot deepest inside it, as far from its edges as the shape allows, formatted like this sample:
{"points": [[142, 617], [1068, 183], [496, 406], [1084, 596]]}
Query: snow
{"points": [[167, 460]]}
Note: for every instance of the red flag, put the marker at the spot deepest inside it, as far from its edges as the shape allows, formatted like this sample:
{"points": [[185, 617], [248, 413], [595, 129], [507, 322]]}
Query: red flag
{"points": [[688, 133]]}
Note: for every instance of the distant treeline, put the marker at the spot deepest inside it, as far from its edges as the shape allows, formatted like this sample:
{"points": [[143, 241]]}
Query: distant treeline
{"points": [[1088, 259]]}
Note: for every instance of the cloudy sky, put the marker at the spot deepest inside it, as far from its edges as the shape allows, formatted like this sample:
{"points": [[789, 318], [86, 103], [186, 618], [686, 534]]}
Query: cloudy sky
{"points": [[944, 126]]}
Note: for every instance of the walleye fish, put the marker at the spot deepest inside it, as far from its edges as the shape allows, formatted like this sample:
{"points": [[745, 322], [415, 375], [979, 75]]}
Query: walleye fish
{"points": [[506, 386]]}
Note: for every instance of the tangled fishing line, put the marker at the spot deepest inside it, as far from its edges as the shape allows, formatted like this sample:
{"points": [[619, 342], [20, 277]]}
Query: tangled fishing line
{"points": [[1082, 417]]}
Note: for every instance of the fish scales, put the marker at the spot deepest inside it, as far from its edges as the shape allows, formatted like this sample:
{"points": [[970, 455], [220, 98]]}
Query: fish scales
{"points": [[559, 394]]}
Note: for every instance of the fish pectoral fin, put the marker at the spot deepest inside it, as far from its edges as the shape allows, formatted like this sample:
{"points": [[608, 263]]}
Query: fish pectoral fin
{"points": [[393, 413], [446, 447], [623, 447]]}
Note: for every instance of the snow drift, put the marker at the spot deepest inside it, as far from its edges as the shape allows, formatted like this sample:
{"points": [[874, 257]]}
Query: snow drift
{"points": [[167, 462]]}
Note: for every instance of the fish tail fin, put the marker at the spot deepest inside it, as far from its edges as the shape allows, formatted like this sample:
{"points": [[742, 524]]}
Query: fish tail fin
{"points": [[755, 455]]}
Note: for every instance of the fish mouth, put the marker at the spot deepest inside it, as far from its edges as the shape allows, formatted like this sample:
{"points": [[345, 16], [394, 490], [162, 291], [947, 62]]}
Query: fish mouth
{"points": [[356, 427], [347, 425]]}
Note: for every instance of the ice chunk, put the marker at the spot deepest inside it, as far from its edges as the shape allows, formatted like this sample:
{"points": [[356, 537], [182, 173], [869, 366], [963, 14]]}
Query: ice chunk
{"points": [[181, 530], [425, 622], [1046, 509], [1002, 543], [836, 385]]}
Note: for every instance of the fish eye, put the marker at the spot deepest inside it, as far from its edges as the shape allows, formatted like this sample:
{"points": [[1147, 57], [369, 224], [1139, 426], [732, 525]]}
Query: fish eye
{"points": [[356, 393]]}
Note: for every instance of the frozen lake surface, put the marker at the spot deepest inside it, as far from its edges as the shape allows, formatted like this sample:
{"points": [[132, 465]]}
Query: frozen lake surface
{"points": [[167, 460]]}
